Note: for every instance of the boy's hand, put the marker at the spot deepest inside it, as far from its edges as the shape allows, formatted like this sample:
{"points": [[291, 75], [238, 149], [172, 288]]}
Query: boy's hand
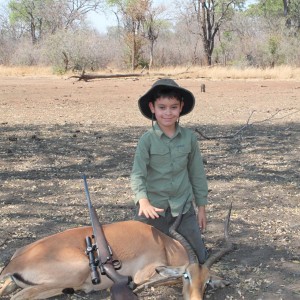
{"points": [[202, 218], [148, 210]]}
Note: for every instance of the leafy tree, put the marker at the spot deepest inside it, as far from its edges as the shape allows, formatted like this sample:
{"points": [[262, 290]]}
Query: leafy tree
{"points": [[271, 10], [292, 13], [28, 13], [48, 16]]}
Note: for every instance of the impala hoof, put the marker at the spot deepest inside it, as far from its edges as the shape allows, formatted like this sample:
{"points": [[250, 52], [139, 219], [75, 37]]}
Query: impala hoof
{"points": [[8, 286]]}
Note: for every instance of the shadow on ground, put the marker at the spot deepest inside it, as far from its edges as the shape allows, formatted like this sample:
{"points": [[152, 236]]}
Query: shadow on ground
{"points": [[258, 170]]}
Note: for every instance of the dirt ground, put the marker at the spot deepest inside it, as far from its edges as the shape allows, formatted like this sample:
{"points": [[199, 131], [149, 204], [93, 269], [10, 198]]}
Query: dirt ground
{"points": [[52, 130]]}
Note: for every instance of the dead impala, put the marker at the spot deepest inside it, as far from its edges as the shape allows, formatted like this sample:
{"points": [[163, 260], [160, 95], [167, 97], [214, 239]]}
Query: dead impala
{"points": [[57, 264]]}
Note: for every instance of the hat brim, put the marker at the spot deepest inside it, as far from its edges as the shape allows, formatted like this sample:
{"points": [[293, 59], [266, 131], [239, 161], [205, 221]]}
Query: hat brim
{"points": [[187, 97]]}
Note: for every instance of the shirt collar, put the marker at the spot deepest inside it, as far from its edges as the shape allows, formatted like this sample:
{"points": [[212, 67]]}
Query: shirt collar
{"points": [[156, 129]]}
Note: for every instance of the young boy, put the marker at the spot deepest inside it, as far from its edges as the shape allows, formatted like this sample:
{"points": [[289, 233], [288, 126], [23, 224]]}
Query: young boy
{"points": [[168, 168]]}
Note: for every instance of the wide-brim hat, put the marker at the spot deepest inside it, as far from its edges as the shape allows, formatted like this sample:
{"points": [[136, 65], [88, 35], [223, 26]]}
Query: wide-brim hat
{"points": [[166, 83]]}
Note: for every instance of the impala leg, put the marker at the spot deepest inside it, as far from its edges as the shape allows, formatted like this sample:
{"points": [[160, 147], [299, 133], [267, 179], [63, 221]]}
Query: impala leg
{"points": [[145, 274], [8, 286], [42, 291]]}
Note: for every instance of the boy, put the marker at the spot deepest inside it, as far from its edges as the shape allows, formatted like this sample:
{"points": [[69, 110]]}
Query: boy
{"points": [[168, 168]]}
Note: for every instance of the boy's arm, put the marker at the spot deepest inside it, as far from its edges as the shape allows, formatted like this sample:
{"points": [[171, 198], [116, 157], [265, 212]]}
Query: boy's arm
{"points": [[197, 174], [138, 181], [139, 172], [202, 218]]}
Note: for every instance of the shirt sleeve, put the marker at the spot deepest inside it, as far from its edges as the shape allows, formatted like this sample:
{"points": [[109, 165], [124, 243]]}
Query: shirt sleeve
{"points": [[197, 174], [139, 171]]}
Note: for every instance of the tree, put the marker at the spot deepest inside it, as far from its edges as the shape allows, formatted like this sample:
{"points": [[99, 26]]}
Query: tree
{"points": [[152, 26], [294, 14], [291, 11], [205, 18], [7, 41], [274, 9], [133, 16], [28, 12], [281, 20], [75, 10], [48, 16], [78, 50]]}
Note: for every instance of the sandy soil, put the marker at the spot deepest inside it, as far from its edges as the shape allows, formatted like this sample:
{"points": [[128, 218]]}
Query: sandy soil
{"points": [[53, 130]]}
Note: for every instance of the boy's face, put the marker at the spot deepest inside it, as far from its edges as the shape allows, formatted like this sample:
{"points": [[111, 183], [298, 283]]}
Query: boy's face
{"points": [[167, 110]]}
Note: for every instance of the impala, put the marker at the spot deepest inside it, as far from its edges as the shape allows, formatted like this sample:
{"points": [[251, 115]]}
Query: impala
{"points": [[57, 264]]}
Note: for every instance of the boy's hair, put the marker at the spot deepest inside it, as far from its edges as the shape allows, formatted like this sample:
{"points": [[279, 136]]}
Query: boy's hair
{"points": [[167, 93]]}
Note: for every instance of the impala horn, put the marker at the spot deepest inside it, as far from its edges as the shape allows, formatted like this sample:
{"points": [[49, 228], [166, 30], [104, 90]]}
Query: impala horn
{"points": [[190, 251], [228, 244]]}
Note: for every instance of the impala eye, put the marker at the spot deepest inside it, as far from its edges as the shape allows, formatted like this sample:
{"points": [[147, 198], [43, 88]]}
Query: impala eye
{"points": [[185, 276]]}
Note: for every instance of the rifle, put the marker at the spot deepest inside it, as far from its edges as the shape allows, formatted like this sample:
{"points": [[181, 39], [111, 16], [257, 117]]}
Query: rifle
{"points": [[123, 285]]}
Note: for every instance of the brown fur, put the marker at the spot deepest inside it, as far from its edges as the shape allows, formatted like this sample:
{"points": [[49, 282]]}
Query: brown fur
{"points": [[48, 266]]}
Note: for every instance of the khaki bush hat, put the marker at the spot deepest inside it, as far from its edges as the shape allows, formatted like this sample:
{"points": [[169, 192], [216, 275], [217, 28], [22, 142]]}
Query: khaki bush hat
{"points": [[187, 97]]}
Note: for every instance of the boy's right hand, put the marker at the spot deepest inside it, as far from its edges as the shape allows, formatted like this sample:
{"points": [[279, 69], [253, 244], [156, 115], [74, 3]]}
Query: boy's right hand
{"points": [[148, 210]]}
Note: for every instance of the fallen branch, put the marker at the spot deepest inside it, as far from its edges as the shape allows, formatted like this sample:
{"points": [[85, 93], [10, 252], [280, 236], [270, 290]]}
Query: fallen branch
{"points": [[87, 77], [248, 124]]}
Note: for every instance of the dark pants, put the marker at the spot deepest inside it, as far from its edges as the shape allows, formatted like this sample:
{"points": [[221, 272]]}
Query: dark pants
{"points": [[188, 228]]}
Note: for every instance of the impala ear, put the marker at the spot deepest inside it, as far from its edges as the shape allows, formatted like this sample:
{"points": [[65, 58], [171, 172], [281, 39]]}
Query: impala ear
{"points": [[168, 271], [217, 282]]}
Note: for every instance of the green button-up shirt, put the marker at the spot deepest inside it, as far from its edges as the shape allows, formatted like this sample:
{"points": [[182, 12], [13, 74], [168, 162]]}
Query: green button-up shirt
{"points": [[169, 171]]}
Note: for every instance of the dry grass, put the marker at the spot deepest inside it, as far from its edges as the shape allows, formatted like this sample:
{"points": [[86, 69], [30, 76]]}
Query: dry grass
{"points": [[220, 73], [25, 71], [214, 73]]}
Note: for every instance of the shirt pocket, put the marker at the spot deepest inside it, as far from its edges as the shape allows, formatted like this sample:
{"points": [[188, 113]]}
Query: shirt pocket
{"points": [[181, 156], [159, 158]]}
